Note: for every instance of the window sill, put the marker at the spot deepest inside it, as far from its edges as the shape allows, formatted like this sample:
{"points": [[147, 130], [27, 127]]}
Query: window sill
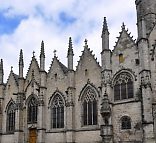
{"points": [[126, 130], [56, 130], [90, 127], [123, 101], [8, 133], [32, 125]]}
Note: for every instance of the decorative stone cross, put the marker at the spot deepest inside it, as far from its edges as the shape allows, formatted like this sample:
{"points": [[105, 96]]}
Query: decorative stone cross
{"points": [[33, 53], [85, 43], [55, 53]]}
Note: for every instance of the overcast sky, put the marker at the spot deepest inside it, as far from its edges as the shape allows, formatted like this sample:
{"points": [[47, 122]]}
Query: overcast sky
{"points": [[24, 24]]}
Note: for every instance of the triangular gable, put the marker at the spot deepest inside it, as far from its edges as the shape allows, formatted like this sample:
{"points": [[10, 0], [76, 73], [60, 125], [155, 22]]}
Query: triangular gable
{"points": [[13, 78], [34, 67], [87, 56], [124, 40], [32, 87], [57, 66]]}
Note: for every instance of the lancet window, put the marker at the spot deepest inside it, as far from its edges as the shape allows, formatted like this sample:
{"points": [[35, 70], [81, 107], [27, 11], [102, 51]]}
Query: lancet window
{"points": [[32, 110], [11, 118], [57, 112], [89, 106]]}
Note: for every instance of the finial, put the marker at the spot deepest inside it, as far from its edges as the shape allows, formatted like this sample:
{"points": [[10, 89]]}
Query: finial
{"points": [[33, 53], [1, 62], [54, 53], [70, 43], [70, 49], [1, 65], [105, 27], [21, 57], [42, 44], [11, 68], [86, 45], [123, 26], [42, 49]]}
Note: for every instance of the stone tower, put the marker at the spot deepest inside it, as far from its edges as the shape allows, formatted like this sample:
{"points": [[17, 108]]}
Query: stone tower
{"points": [[146, 9], [146, 16]]}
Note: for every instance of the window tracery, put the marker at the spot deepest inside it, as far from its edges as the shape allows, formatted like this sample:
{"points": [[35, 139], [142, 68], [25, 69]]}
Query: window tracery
{"points": [[57, 112], [89, 105], [11, 118], [32, 110], [123, 87]]}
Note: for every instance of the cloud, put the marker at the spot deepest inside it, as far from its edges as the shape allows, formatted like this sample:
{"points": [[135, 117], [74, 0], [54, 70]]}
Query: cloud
{"points": [[25, 24]]}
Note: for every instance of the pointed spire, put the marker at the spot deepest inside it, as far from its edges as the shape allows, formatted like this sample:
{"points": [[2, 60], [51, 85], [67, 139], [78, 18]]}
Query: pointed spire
{"points": [[21, 58], [1, 72], [70, 54], [70, 43], [1, 64], [42, 57], [42, 50], [105, 35], [70, 48], [105, 27], [21, 64]]}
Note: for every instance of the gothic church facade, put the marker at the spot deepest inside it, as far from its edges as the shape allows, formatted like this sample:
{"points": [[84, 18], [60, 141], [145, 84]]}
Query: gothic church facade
{"points": [[114, 102]]}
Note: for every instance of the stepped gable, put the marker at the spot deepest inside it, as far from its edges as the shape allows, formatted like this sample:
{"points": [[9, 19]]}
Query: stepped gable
{"points": [[62, 66], [125, 40], [86, 52], [33, 63]]}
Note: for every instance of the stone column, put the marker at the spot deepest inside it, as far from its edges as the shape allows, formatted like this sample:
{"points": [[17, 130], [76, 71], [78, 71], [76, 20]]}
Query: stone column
{"points": [[70, 134]]}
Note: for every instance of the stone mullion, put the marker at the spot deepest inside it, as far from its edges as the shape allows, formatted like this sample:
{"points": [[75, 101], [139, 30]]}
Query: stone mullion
{"points": [[92, 113], [87, 113]]}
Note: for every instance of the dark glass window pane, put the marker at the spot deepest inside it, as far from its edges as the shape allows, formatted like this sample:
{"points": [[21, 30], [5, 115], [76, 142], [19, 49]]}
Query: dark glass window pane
{"points": [[117, 92], [57, 116], [94, 112], [11, 118], [32, 111], [130, 89], [89, 113], [62, 117], [54, 117], [89, 108], [123, 90], [85, 112], [126, 123]]}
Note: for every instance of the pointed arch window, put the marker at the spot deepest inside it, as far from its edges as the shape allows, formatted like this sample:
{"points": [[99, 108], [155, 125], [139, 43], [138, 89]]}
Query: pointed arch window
{"points": [[57, 112], [32, 110], [123, 87], [125, 123], [89, 106], [11, 118]]}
